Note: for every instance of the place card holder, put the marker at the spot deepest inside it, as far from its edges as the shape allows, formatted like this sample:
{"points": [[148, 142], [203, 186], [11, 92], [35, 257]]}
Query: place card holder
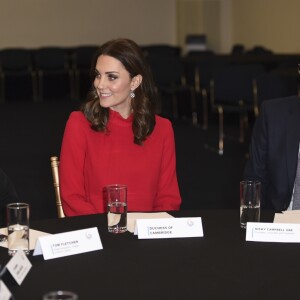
{"points": [[18, 267]]}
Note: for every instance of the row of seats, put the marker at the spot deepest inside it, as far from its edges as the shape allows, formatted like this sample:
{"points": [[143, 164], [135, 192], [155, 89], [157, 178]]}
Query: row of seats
{"points": [[45, 73], [216, 84], [239, 89], [31, 69], [51, 73], [189, 87]]}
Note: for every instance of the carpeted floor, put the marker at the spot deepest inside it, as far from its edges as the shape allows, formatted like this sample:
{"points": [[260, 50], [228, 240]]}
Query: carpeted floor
{"points": [[31, 132], [208, 180]]}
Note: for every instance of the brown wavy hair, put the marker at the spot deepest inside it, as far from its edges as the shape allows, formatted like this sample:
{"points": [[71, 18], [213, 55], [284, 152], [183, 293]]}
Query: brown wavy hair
{"points": [[144, 102]]}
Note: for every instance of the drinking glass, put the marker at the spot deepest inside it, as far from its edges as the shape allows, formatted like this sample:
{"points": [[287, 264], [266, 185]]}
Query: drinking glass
{"points": [[116, 197], [60, 295], [249, 202], [17, 227]]}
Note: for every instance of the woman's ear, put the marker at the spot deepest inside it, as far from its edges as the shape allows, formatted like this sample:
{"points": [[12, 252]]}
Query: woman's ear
{"points": [[136, 81]]}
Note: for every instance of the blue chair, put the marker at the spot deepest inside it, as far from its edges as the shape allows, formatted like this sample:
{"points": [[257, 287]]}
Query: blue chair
{"points": [[18, 80], [231, 91], [82, 58], [54, 74]]}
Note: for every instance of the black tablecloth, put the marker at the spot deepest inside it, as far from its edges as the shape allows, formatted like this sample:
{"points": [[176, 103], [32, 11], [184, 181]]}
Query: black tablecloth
{"points": [[220, 265]]}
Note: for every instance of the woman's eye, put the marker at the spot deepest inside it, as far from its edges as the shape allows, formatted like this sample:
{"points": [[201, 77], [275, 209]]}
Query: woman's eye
{"points": [[112, 77]]}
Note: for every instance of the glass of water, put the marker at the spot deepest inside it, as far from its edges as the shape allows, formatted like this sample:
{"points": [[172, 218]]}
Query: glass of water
{"points": [[18, 227], [60, 295], [116, 197], [249, 202]]}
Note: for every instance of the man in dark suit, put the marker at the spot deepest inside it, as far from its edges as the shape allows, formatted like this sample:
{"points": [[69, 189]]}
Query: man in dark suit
{"points": [[7, 195], [274, 151]]}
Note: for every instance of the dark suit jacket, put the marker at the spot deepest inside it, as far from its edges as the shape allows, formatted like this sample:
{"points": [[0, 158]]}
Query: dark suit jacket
{"points": [[7, 195], [274, 151]]}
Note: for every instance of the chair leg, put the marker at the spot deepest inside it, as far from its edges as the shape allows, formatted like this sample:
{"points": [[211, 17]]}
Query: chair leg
{"points": [[175, 107], [243, 118], [246, 121], [35, 87], [77, 84], [195, 118], [256, 111], [220, 148], [2, 86], [40, 87], [221, 130], [205, 109], [72, 85], [194, 107]]}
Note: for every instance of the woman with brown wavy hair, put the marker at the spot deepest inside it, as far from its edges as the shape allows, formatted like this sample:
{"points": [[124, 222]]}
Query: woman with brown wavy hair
{"points": [[118, 138]]}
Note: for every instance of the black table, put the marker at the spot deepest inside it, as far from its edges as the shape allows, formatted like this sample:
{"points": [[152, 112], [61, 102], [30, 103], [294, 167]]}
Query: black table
{"points": [[221, 265]]}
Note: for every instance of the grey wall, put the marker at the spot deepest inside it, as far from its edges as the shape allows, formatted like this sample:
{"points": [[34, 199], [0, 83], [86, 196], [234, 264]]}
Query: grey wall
{"points": [[35, 23]]}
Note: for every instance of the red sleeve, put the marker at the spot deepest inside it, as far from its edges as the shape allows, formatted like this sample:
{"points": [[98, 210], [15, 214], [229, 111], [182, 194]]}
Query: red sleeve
{"points": [[168, 196], [71, 167]]}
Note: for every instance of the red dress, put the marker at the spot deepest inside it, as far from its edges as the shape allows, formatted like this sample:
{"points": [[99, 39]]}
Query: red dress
{"points": [[90, 160]]}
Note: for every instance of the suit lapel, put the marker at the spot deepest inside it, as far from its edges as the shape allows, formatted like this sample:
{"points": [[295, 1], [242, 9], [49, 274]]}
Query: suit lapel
{"points": [[292, 143]]}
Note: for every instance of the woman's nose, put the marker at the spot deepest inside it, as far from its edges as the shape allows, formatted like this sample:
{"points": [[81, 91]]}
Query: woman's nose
{"points": [[99, 83]]}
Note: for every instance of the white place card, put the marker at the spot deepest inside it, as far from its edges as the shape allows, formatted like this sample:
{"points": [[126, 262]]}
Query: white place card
{"points": [[132, 217], [19, 266], [169, 228], [5, 293], [273, 232], [33, 236], [68, 243]]}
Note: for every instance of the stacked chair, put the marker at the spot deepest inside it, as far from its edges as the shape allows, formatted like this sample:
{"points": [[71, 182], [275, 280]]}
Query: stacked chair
{"points": [[231, 91], [54, 75], [168, 69], [170, 80], [272, 85], [17, 78], [199, 73], [161, 50], [82, 58]]}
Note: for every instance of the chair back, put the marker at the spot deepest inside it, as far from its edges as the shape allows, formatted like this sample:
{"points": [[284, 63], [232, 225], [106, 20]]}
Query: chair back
{"points": [[271, 85], [54, 165], [167, 72], [83, 57], [235, 83], [16, 70], [15, 60], [161, 50], [82, 60], [54, 75], [51, 58]]}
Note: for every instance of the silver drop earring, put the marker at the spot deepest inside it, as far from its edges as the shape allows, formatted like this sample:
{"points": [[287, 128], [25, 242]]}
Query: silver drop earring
{"points": [[132, 94]]}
